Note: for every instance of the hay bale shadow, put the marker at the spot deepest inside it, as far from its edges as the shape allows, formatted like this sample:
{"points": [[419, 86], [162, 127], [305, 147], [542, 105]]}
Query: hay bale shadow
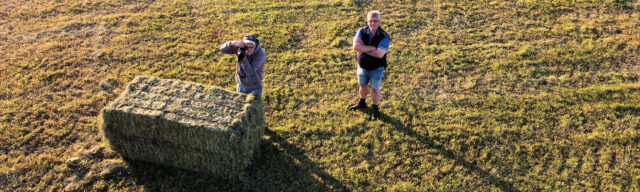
{"points": [[279, 167]]}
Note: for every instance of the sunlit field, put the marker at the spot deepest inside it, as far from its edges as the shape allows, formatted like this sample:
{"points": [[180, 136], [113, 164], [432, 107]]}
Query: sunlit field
{"points": [[517, 95]]}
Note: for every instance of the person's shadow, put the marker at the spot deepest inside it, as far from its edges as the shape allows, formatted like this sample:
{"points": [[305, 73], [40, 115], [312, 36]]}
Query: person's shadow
{"points": [[279, 167], [425, 139]]}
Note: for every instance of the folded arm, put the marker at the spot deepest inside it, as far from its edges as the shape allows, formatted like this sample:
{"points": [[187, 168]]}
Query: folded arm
{"points": [[360, 48]]}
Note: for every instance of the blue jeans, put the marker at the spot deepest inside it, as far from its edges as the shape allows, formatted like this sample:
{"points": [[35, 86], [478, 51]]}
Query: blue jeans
{"points": [[242, 89], [373, 77]]}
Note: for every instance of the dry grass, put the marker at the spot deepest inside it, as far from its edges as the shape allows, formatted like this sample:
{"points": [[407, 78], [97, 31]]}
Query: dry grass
{"points": [[485, 95]]}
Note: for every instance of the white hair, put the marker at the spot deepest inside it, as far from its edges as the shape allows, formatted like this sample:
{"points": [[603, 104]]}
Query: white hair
{"points": [[375, 13]]}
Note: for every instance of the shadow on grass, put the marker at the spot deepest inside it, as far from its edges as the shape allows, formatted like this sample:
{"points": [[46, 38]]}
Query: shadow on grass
{"points": [[496, 181], [280, 167]]}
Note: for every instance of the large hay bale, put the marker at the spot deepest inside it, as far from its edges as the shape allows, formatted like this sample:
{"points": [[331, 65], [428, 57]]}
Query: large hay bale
{"points": [[185, 125]]}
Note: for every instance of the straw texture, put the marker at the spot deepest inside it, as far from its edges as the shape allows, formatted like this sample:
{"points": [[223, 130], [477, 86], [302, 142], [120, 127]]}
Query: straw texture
{"points": [[185, 125]]}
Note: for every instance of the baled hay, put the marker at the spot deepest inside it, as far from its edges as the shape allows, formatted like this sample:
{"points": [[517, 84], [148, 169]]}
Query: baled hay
{"points": [[185, 125]]}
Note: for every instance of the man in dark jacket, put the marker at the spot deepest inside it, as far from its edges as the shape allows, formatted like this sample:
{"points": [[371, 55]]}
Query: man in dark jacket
{"points": [[249, 65], [371, 44]]}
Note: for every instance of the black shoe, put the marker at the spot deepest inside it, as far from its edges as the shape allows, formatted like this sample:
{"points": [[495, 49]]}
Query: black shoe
{"points": [[375, 115], [362, 104]]}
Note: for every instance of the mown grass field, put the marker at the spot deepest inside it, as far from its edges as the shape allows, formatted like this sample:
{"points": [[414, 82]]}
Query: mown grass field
{"points": [[480, 95]]}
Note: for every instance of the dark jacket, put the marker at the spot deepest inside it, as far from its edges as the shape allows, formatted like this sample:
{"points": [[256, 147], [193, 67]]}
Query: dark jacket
{"points": [[249, 72], [369, 62]]}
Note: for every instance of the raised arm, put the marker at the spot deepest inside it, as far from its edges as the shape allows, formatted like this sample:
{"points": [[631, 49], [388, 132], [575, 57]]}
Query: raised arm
{"points": [[231, 47], [255, 67]]}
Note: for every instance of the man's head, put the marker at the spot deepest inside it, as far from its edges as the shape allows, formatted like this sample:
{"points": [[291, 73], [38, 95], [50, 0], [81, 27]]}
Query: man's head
{"points": [[250, 42], [373, 20]]}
